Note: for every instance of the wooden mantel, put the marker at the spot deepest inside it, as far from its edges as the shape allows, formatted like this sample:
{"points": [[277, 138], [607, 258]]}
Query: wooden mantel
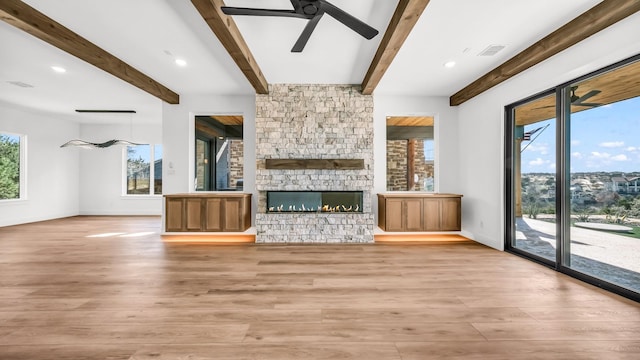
{"points": [[317, 164]]}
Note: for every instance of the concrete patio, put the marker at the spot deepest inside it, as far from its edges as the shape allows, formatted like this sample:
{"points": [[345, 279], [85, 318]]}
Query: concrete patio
{"points": [[608, 256]]}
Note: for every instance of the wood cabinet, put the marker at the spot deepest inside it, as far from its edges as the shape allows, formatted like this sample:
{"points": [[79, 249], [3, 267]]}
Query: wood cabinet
{"points": [[214, 212], [419, 212]]}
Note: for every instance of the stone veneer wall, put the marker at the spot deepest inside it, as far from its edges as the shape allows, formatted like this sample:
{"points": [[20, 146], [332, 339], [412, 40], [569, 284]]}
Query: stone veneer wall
{"points": [[396, 165], [236, 164], [314, 122]]}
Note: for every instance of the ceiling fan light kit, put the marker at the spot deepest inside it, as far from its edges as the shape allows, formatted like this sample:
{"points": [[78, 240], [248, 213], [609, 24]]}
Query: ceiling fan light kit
{"points": [[311, 10]]}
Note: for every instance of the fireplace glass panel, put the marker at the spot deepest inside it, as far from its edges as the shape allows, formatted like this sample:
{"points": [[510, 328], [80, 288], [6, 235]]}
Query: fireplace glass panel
{"points": [[314, 201]]}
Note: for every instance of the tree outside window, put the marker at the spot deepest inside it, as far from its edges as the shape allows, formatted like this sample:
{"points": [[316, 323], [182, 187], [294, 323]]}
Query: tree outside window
{"points": [[142, 178], [9, 166]]}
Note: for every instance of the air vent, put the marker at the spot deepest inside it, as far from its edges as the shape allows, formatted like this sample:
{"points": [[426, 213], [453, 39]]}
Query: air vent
{"points": [[20, 84], [491, 50]]}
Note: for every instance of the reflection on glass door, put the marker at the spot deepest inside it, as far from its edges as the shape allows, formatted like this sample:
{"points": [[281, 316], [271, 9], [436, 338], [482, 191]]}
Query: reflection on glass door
{"points": [[203, 165], [604, 177], [534, 181]]}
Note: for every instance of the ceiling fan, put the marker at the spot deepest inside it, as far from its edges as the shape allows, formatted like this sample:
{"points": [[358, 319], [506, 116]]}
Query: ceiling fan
{"points": [[311, 10], [579, 100]]}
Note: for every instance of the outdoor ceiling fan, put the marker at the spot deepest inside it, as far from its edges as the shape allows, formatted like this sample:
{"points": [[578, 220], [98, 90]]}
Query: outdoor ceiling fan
{"points": [[311, 10], [579, 100]]}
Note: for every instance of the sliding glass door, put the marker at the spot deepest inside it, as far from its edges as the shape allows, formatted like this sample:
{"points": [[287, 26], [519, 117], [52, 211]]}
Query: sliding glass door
{"points": [[534, 176], [572, 159], [603, 128]]}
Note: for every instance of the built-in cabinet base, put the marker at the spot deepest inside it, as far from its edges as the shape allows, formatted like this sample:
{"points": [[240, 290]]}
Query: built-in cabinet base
{"points": [[210, 212], [419, 212]]}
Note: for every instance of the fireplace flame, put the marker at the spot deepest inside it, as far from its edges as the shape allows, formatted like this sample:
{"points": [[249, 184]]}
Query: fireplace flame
{"points": [[323, 208]]}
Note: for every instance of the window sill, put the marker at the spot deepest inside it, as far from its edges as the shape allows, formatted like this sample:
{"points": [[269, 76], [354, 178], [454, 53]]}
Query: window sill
{"points": [[141, 197], [13, 201]]}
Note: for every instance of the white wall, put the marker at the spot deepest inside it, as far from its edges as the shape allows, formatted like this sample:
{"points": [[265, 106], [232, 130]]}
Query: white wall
{"points": [[446, 138], [52, 172], [102, 170], [178, 139], [481, 123]]}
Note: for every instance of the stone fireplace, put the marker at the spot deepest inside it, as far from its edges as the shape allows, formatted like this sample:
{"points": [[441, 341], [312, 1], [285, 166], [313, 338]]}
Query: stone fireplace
{"points": [[314, 122]]}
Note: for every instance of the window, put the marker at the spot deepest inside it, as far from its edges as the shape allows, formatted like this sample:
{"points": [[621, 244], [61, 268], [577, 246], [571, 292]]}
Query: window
{"points": [[410, 153], [139, 172], [11, 166]]}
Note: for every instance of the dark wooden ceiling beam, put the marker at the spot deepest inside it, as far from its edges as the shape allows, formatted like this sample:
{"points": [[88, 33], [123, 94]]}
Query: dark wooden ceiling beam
{"points": [[227, 32], [30, 20], [402, 22], [599, 17]]}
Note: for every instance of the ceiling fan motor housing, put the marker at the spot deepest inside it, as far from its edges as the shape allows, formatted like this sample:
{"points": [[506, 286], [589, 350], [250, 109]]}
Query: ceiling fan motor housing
{"points": [[310, 8]]}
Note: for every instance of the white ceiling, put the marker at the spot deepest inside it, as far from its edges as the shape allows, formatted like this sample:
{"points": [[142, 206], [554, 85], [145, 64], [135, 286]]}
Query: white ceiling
{"points": [[150, 34]]}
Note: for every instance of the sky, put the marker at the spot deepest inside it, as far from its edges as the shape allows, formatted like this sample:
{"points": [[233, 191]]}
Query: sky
{"points": [[143, 152], [605, 138]]}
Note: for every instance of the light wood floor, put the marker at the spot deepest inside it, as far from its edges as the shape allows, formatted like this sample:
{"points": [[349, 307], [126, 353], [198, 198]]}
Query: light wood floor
{"points": [[68, 294]]}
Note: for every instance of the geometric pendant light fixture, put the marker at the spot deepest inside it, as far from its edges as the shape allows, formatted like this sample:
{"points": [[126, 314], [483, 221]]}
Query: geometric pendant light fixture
{"points": [[91, 145]]}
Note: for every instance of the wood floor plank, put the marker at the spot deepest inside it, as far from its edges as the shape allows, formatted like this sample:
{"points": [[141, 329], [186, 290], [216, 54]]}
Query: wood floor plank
{"points": [[288, 351], [93, 287], [22, 304], [521, 350], [552, 299], [610, 313], [424, 315], [359, 332], [126, 334], [68, 352], [561, 330], [373, 302], [156, 316]]}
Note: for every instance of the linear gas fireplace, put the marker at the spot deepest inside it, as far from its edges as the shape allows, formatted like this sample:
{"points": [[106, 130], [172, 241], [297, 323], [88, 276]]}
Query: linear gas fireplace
{"points": [[314, 201]]}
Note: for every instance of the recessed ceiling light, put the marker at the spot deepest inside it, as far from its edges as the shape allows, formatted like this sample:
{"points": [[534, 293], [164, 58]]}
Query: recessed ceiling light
{"points": [[181, 62], [59, 69], [450, 64]]}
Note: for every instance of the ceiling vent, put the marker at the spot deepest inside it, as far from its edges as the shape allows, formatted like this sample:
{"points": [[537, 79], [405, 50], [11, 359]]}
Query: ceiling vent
{"points": [[491, 50], [20, 84]]}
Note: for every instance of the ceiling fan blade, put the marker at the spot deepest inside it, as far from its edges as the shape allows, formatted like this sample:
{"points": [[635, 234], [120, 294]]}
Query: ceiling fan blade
{"points": [[587, 104], [296, 6], [587, 95], [263, 12], [356, 25], [306, 33]]}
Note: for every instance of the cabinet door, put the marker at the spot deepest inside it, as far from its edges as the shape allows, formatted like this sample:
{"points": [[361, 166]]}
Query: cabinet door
{"points": [[233, 211], [412, 214], [174, 215], [193, 210], [450, 215], [394, 215], [431, 214], [214, 213]]}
